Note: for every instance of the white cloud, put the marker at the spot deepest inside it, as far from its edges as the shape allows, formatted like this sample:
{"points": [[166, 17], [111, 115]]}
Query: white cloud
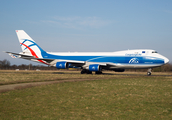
{"points": [[78, 22]]}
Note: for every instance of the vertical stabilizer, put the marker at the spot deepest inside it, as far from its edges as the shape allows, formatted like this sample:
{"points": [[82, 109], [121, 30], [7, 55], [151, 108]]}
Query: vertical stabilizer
{"points": [[28, 45]]}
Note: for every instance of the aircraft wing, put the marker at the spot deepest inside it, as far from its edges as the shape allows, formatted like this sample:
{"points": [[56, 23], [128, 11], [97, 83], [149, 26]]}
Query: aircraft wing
{"points": [[51, 62]]}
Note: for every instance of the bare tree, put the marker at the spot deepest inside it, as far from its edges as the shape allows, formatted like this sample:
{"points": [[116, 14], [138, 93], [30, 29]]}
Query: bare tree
{"points": [[5, 64]]}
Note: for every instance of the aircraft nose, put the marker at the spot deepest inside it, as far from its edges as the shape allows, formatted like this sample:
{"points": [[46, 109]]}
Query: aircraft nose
{"points": [[166, 60]]}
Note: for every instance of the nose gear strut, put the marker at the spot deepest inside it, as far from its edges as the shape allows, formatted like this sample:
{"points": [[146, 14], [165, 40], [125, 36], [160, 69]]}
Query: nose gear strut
{"points": [[149, 72]]}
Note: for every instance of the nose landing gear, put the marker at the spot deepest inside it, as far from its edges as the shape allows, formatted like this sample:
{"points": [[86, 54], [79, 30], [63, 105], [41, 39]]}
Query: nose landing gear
{"points": [[149, 72]]}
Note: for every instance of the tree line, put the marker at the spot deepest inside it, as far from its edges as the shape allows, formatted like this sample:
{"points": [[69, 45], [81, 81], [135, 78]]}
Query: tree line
{"points": [[6, 65]]}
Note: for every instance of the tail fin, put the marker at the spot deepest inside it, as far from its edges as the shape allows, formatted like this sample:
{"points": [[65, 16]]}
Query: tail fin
{"points": [[28, 45]]}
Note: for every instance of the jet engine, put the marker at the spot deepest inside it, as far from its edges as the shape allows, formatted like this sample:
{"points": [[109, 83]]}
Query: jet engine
{"points": [[95, 67], [61, 65]]}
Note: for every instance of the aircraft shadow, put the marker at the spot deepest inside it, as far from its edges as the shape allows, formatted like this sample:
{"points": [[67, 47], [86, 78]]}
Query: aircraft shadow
{"points": [[112, 74]]}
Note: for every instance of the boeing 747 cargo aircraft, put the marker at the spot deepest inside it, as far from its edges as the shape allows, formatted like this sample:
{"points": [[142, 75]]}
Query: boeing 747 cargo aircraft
{"points": [[89, 61]]}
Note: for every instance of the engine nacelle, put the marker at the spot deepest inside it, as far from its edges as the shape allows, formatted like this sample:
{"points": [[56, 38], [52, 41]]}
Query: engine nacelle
{"points": [[94, 67], [119, 70], [61, 65]]}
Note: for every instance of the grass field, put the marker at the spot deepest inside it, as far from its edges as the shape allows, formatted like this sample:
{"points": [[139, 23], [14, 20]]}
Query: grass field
{"points": [[127, 95]]}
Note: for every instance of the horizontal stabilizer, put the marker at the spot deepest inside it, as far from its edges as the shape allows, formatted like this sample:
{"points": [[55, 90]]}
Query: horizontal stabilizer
{"points": [[18, 55]]}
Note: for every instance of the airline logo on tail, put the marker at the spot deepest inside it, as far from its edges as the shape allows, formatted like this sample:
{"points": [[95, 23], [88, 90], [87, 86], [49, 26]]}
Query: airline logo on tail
{"points": [[29, 41], [29, 47]]}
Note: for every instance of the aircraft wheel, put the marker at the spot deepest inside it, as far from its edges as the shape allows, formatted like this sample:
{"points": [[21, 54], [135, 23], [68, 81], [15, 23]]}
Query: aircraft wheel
{"points": [[98, 72], [89, 72], [83, 71], [148, 73], [86, 71]]}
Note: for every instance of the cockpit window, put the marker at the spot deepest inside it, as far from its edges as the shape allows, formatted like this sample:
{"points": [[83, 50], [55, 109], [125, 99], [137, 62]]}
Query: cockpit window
{"points": [[154, 52]]}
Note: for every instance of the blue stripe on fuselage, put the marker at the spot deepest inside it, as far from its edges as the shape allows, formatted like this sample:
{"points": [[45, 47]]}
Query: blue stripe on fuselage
{"points": [[112, 59]]}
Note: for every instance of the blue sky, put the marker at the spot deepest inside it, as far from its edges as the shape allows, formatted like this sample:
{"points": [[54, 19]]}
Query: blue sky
{"points": [[90, 25]]}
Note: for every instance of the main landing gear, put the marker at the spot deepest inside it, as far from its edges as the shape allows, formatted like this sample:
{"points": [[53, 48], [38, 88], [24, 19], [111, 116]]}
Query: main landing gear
{"points": [[84, 71], [98, 72], [149, 72]]}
